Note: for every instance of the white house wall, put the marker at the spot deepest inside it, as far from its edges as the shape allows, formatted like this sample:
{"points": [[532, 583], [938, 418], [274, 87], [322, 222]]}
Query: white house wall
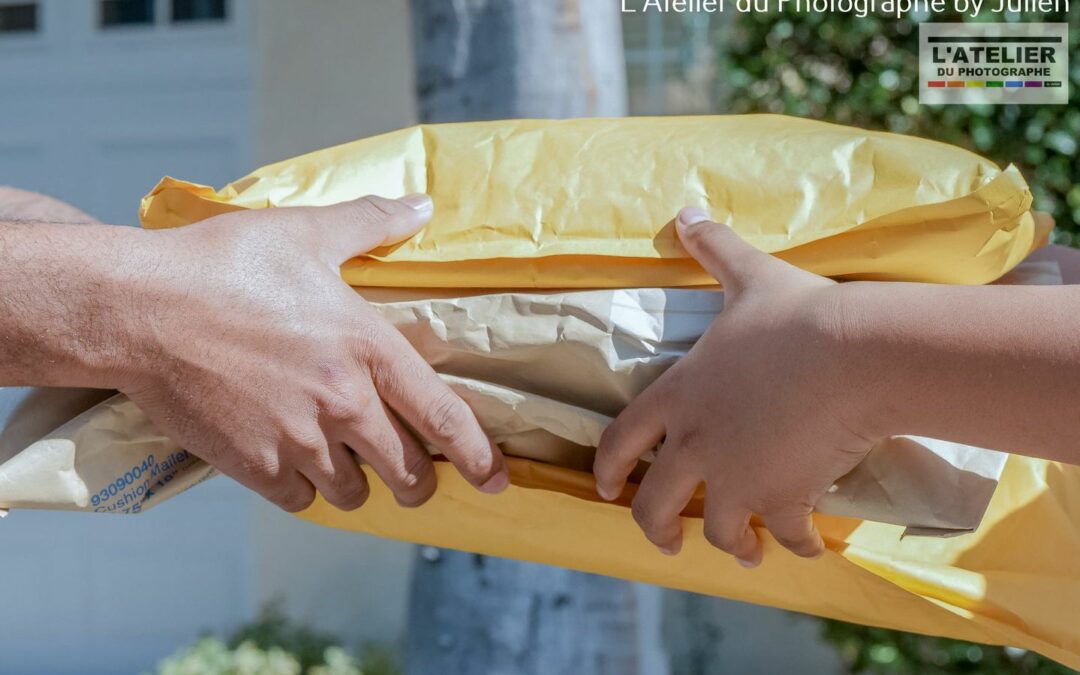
{"points": [[95, 117]]}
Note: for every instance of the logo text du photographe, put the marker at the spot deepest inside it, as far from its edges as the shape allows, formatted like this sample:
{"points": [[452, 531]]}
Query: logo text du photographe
{"points": [[994, 63]]}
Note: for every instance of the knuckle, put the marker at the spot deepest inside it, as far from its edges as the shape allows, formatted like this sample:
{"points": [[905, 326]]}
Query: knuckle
{"points": [[375, 208], [340, 400], [304, 446], [310, 452], [261, 465], [365, 336], [292, 434], [447, 419]]}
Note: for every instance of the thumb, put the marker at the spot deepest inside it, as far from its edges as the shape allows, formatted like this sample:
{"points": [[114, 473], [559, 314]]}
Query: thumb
{"points": [[722, 253], [350, 228]]}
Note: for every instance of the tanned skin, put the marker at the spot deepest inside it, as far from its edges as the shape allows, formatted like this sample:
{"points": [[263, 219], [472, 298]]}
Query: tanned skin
{"points": [[239, 339], [800, 376]]}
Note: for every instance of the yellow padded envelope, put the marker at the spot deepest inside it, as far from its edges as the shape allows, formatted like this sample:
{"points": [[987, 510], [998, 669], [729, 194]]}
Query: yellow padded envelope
{"points": [[1015, 581], [586, 203]]}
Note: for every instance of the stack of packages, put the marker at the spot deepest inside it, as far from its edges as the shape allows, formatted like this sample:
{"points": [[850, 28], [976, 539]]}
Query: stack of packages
{"points": [[550, 288]]}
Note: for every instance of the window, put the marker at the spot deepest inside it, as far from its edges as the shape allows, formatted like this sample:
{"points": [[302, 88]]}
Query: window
{"points": [[126, 12], [670, 62], [198, 10], [21, 18]]}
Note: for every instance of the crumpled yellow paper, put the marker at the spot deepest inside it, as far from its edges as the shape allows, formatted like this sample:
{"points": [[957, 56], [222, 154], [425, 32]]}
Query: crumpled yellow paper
{"points": [[587, 204]]}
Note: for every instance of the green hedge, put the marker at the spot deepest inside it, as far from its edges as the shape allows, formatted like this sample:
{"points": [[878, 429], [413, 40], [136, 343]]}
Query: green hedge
{"points": [[891, 652], [864, 72]]}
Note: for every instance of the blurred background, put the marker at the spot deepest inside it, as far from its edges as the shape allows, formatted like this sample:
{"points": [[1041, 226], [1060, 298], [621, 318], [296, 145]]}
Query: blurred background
{"points": [[100, 98]]}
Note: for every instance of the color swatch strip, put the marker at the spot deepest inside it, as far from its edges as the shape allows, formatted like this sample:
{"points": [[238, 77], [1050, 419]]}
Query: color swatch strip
{"points": [[1009, 84]]}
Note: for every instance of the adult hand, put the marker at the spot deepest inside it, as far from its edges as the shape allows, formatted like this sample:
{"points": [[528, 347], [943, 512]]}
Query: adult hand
{"points": [[250, 351], [758, 409]]}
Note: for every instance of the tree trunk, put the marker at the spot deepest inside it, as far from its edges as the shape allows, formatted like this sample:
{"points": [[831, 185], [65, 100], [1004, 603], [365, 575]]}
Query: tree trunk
{"points": [[499, 59], [478, 615], [693, 634]]}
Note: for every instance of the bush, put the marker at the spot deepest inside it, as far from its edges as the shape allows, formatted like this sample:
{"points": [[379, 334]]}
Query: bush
{"points": [[864, 72], [211, 656], [274, 645]]}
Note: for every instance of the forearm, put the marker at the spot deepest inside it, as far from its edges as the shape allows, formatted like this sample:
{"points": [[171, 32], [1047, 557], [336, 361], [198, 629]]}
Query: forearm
{"points": [[995, 367], [1067, 259], [67, 303]]}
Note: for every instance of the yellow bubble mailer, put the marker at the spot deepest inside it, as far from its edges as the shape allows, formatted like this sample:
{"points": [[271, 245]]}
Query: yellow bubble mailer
{"points": [[588, 204]]}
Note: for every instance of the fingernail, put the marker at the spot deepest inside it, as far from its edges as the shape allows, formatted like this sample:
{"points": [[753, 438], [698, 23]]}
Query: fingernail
{"points": [[692, 215], [605, 493], [419, 201], [496, 483], [747, 564]]}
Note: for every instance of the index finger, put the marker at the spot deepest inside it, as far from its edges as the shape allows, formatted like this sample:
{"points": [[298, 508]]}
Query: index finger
{"points": [[637, 429], [422, 400]]}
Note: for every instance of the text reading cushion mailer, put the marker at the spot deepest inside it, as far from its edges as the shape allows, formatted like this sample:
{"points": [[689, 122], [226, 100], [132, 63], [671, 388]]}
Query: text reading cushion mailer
{"points": [[1014, 581], [586, 203]]}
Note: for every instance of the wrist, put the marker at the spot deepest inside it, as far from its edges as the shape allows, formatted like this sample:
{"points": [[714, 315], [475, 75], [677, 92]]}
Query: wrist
{"points": [[138, 292], [93, 329]]}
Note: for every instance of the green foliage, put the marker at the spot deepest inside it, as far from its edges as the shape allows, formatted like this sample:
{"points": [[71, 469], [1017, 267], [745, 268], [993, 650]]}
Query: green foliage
{"points": [[211, 656], [879, 651], [273, 629], [274, 645], [864, 72]]}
